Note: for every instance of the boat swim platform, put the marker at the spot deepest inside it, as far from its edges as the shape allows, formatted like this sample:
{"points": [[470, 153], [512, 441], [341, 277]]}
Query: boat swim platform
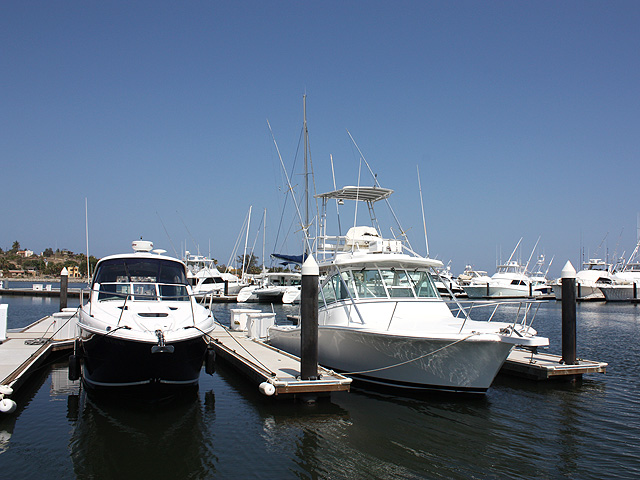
{"points": [[546, 366], [262, 363], [28, 348]]}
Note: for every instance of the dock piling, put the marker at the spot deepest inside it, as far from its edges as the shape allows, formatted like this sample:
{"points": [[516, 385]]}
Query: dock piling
{"points": [[64, 285], [568, 314], [309, 320]]}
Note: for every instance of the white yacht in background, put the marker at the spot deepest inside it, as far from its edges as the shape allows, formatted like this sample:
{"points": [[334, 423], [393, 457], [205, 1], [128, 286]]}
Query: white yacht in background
{"points": [[141, 328], [511, 280], [594, 274], [447, 284], [381, 319], [205, 278], [273, 287], [469, 275], [625, 284]]}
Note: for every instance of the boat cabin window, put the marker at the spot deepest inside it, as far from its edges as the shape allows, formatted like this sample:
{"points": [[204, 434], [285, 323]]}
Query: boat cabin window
{"points": [[423, 284], [378, 283]]}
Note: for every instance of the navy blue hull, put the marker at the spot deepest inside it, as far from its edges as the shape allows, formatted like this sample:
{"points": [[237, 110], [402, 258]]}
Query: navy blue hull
{"points": [[113, 363]]}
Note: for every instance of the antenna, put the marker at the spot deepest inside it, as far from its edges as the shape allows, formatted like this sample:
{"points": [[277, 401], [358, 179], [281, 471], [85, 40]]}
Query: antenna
{"points": [[86, 226], [424, 223], [165, 231], [333, 174], [377, 184], [531, 256]]}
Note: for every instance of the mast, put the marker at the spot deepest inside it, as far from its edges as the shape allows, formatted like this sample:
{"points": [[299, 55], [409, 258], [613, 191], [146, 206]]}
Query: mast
{"points": [[306, 174]]}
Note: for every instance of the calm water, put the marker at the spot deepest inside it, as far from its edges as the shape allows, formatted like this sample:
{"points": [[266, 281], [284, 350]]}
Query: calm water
{"points": [[519, 429]]}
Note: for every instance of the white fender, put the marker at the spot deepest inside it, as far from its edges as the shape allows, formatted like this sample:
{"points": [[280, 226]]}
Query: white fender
{"points": [[267, 389], [5, 390], [7, 405]]}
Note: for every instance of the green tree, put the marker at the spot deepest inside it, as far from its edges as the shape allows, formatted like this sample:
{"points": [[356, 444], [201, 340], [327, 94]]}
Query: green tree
{"points": [[48, 252], [250, 263], [15, 247]]}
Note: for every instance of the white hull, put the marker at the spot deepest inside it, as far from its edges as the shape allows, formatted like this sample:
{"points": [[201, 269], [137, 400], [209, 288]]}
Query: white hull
{"points": [[286, 295], [418, 362], [583, 292], [620, 293], [516, 291]]}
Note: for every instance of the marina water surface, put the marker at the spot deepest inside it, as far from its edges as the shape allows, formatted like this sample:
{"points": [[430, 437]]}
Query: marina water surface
{"points": [[519, 429]]}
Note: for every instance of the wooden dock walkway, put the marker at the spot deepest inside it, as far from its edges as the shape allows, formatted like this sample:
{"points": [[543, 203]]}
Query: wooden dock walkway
{"points": [[28, 348], [262, 363], [545, 366]]}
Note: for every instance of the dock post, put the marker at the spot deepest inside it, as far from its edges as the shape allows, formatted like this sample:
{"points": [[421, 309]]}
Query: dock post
{"points": [[309, 320], [226, 288], [64, 285], [569, 315]]}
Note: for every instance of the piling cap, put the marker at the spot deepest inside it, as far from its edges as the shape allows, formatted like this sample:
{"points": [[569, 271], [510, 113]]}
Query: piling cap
{"points": [[64, 272], [310, 267], [568, 271]]}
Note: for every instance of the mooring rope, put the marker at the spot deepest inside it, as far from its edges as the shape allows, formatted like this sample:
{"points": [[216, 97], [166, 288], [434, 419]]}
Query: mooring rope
{"points": [[412, 359], [271, 372], [42, 340]]}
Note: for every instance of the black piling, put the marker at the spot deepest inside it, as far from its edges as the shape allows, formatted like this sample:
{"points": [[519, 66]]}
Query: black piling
{"points": [[569, 316], [64, 286], [309, 320]]}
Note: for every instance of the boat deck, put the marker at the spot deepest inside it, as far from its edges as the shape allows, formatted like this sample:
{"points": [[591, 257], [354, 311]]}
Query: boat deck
{"points": [[264, 363], [545, 366]]}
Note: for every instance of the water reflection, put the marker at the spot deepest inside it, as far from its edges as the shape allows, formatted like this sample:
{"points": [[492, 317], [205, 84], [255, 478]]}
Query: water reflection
{"points": [[142, 440]]}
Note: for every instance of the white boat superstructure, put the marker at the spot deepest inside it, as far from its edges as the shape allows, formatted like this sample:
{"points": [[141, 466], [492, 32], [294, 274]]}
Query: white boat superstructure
{"points": [[382, 320], [625, 283], [511, 280], [469, 275], [273, 287], [595, 273], [447, 284]]}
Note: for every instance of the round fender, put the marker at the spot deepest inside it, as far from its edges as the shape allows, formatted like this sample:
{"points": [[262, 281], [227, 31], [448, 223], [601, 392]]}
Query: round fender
{"points": [[74, 367], [210, 362], [7, 405]]}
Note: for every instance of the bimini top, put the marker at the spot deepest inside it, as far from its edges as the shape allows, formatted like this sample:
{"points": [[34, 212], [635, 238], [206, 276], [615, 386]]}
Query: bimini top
{"points": [[365, 194]]}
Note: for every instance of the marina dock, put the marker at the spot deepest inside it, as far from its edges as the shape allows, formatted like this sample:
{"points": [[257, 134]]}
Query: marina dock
{"points": [[274, 371], [40, 290], [25, 350], [262, 363], [545, 366]]}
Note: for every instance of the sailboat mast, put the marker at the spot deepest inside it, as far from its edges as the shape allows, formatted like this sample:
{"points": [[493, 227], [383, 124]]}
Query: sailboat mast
{"points": [[306, 172]]}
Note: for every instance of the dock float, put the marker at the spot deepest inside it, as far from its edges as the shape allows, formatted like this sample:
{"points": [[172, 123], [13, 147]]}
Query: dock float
{"points": [[275, 371], [28, 348], [546, 366]]}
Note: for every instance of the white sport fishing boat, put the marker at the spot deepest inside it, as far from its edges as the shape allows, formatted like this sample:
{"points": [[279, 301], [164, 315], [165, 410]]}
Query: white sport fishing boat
{"points": [[381, 319], [594, 274], [273, 287], [141, 328], [511, 280], [625, 283]]}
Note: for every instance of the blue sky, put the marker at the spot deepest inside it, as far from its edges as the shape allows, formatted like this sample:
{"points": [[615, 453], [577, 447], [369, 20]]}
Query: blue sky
{"points": [[524, 119]]}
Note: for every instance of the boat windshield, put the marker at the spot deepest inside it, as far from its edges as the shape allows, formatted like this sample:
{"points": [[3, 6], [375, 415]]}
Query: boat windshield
{"points": [[378, 283], [141, 279]]}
